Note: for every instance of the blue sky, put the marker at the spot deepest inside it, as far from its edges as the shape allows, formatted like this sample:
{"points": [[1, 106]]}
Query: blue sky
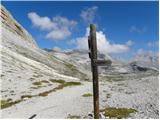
{"points": [[126, 26]]}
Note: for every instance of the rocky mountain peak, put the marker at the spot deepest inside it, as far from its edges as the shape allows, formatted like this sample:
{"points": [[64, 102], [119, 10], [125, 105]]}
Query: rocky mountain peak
{"points": [[10, 24]]}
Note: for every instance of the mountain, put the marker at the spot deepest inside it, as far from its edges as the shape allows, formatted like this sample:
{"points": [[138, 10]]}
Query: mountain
{"points": [[16, 39], [145, 61], [54, 84]]}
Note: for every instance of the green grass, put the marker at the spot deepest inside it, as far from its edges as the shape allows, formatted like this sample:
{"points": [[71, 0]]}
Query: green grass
{"points": [[37, 83], [26, 96], [57, 81], [73, 116], [71, 84], [118, 113], [44, 81], [87, 95], [8, 103], [61, 86]]}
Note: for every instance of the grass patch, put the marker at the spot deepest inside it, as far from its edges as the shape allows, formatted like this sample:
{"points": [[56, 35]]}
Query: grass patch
{"points": [[73, 116], [57, 81], [8, 103], [71, 84], [37, 83], [119, 113], [43, 94], [87, 95], [44, 81], [61, 86], [108, 96], [26, 96]]}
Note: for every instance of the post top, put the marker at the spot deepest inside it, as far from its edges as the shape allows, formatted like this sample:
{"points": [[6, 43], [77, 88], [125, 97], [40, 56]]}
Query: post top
{"points": [[92, 26]]}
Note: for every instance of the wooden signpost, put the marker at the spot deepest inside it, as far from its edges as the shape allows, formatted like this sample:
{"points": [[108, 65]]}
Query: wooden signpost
{"points": [[92, 44]]}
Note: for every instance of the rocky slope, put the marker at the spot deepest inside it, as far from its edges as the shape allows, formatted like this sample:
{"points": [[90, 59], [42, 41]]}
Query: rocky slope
{"points": [[27, 69]]}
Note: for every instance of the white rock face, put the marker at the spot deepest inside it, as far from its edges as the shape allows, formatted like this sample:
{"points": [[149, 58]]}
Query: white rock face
{"points": [[28, 71]]}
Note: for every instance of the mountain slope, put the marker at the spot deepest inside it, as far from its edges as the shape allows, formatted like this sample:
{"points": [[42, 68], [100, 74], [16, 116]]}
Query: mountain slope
{"points": [[52, 84], [27, 69]]}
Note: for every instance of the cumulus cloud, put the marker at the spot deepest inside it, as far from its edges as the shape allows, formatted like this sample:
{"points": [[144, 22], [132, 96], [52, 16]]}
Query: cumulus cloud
{"points": [[43, 23], [104, 46], [57, 29], [88, 14], [138, 30]]}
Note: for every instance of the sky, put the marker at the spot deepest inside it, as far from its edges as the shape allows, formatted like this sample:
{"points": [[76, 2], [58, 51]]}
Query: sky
{"points": [[123, 28]]}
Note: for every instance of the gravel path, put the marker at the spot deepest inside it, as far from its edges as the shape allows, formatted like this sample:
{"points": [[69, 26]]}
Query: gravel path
{"points": [[56, 105]]}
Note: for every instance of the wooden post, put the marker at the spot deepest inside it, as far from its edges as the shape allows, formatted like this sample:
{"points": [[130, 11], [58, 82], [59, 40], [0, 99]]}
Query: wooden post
{"points": [[93, 49], [92, 44]]}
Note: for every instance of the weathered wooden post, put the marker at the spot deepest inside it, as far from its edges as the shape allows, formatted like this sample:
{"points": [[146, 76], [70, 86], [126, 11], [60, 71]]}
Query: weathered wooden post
{"points": [[92, 44]]}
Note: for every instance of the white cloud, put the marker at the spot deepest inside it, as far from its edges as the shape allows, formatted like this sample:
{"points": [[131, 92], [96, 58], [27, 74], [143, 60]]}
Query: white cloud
{"points": [[137, 29], [63, 22], [89, 14], [58, 34], [102, 43], [145, 53], [43, 23], [58, 28], [153, 44], [129, 43]]}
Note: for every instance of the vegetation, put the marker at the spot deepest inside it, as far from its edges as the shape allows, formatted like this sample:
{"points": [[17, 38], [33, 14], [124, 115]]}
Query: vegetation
{"points": [[61, 86], [73, 116], [87, 95], [44, 81], [108, 96], [57, 81], [37, 83], [26, 96], [119, 113], [8, 103], [71, 83]]}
